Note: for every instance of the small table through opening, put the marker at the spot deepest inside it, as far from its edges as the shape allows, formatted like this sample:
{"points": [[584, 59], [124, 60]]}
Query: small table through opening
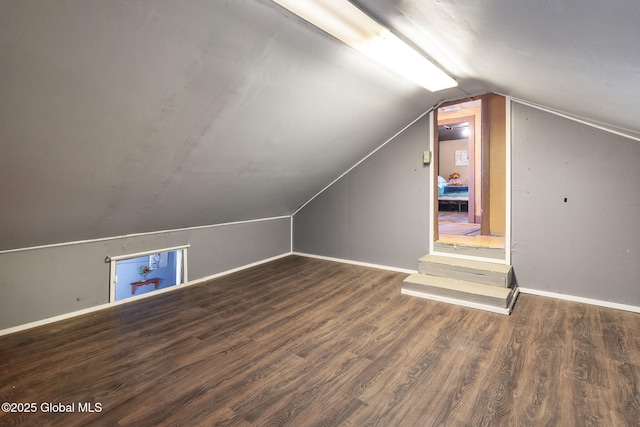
{"points": [[134, 285]]}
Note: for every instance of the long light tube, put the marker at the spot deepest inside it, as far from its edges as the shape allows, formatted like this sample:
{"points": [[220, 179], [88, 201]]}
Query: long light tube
{"points": [[349, 24]]}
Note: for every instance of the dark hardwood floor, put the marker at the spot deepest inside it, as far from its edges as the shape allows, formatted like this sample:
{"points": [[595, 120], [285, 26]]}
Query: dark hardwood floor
{"points": [[306, 342]]}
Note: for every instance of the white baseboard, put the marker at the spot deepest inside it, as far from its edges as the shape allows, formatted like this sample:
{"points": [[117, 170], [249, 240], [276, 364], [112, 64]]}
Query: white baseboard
{"points": [[54, 319], [88, 310], [234, 270], [601, 303], [360, 263]]}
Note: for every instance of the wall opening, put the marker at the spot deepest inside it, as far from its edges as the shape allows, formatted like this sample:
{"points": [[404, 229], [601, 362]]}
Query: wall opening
{"points": [[470, 145], [143, 273]]}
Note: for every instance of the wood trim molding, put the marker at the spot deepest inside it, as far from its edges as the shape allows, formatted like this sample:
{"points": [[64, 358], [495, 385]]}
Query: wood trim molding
{"points": [[485, 164], [435, 164]]}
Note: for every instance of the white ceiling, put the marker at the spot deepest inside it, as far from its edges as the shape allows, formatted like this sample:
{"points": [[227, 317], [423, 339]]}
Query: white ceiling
{"points": [[133, 116]]}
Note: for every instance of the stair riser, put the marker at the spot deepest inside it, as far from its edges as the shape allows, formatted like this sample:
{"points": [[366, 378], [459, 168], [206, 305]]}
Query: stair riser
{"points": [[498, 310], [463, 296], [471, 275]]}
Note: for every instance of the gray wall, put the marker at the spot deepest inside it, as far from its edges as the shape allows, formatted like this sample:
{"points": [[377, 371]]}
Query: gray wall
{"points": [[587, 247], [378, 212], [41, 283], [590, 245]]}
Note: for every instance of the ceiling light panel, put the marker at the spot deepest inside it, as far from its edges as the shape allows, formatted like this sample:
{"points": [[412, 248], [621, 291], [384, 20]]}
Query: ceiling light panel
{"points": [[350, 25]]}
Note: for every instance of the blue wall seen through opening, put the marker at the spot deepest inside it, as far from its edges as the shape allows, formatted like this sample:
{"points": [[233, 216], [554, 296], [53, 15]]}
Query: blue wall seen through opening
{"points": [[128, 272]]}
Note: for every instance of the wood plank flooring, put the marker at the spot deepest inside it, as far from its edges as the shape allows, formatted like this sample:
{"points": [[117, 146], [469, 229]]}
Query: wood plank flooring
{"points": [[306, 342], [456, 224]]}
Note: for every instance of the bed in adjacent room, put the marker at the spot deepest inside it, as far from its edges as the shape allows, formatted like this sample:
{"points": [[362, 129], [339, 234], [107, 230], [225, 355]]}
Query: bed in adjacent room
{"points": [[456, 195]]}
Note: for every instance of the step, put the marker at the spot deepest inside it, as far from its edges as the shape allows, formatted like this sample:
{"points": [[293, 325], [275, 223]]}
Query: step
{"points": [[487, 273], [471, 294]]}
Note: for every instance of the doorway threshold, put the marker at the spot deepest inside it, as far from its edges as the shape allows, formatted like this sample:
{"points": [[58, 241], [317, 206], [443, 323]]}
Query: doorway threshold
{"points": [[491, 247], [493, 242]]}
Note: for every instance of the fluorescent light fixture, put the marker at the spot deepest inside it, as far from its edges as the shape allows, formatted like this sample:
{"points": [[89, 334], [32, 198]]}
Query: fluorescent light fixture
{"points": [[448, 108], [349, 24]]}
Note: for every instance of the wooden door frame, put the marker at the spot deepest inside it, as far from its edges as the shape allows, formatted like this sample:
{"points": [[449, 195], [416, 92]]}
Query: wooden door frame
{"points": [[435, 164], [485, 165]]}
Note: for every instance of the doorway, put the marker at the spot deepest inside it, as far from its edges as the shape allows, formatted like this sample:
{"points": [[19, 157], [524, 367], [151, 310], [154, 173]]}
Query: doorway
{"points": [[470, 176], [456, 176]]}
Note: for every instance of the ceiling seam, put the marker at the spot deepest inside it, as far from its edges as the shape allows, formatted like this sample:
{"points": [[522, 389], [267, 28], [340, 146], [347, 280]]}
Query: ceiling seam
{"points": [[365, 158], [148, 233]]}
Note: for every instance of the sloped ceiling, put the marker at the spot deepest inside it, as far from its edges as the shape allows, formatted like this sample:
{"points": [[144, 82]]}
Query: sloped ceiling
{"points": [[580, 58], [128, 116]]}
